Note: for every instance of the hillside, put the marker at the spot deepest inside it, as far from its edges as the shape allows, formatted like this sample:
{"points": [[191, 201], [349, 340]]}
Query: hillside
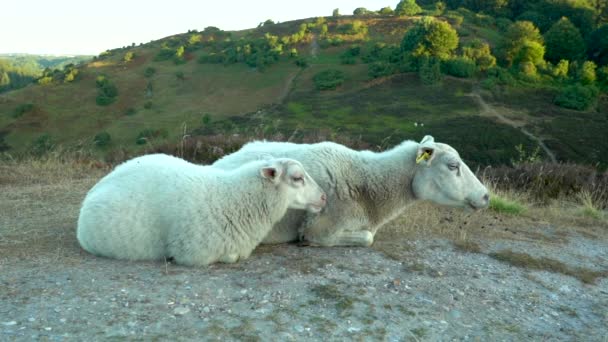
{"points": [[260, 83]]}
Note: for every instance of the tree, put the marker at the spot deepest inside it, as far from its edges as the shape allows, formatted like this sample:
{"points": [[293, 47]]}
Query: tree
{"points": [[480, 53], [431, 38], [561, 69], [430, 70], [516, 37], [5, 80], [598, 45], [530, 52], [386, 11], [360, 11], [564, 41], [407, 7], [335, 13], [587, 73]]}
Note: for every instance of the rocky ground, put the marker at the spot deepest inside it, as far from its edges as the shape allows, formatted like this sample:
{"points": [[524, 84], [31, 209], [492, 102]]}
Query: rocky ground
{"points": [[408, 286]]}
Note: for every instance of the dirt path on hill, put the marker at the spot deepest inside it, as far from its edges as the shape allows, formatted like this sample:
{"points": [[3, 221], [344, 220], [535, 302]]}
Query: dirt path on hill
{"points": [[487, 109], [410, 286]]}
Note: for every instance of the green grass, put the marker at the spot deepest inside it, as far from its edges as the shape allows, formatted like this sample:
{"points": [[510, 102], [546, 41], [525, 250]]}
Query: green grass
{"points": [[506, 206]]}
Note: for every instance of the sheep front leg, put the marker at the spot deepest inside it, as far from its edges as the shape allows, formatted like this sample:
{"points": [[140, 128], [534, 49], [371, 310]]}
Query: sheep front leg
{"points": [[229, 258], [323, 231]]}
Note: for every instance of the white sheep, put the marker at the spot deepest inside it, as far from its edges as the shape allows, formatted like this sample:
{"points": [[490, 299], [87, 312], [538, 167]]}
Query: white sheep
{"points": [[365, 189], [158, 206]]}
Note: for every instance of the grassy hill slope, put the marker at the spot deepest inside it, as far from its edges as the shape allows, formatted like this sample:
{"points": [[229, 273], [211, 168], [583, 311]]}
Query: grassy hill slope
{"points": [[164, 99]]}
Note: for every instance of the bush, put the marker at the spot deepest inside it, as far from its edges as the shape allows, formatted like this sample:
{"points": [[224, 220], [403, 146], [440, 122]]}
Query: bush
{"points": [[548, 181], [301, 62], [149, 72], [22, 109], [42, 145], [380, 69], [578, 97], [104, 100], [460, 67], [430, 71], [180, 75], [148, 105], [102, 139], [130, 111], [328, 79]]}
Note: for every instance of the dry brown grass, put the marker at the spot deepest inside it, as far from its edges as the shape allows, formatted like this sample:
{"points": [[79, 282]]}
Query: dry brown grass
{"points": [[39, 204]]}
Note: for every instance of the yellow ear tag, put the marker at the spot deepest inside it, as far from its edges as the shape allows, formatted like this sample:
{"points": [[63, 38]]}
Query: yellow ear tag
{"points": [[424, 156]]}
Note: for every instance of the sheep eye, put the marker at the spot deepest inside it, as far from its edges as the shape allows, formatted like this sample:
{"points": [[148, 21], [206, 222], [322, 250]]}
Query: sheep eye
{"points": [[298, 179], [453, 166]]}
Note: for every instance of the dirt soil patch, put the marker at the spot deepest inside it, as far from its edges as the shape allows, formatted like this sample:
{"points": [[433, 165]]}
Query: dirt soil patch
{"points": [[415, 283]]}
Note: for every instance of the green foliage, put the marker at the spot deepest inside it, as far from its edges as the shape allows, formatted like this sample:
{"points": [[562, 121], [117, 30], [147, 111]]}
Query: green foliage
{"points": [[354, 27], [430, 71], [521, 35], [102, 139], [386, 11], [479, 52], [128, 56], [454, 18], [350, 56], [328, 79], [429, 37], [577, 96], [530, 52], [564, 41], [206, 119], [408, 8], [560, 70], [180, 75], [166, 53], [301, 62], [22, 109], [362, 11], [106, 91], [598, 45], [381, 69], [587, 73], [42, 145], [335, 13], [460, 67], [148, 105], [149, 72]]}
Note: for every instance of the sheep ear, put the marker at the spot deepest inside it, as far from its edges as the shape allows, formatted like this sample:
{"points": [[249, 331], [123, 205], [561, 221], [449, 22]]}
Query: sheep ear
{"points": [[426, 150], [271, 173]]}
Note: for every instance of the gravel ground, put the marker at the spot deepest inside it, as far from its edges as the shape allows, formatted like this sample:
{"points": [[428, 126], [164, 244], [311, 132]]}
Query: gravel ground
{"points": [[403, 288]]}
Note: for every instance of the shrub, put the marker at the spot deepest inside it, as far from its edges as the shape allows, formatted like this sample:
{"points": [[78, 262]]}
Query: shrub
{"points": [[430, 71], [301, 62], [129, 56], [22, 109], [328, 79], [42, 145], [149, 72], [380, 69], [460, 67], [180, 75], [130, 111], [102, 139], [577, 96], [548, 181], [148, 105]]}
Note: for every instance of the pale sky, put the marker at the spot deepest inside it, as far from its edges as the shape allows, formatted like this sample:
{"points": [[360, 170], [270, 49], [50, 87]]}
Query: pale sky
{"points": [[91, 27]]}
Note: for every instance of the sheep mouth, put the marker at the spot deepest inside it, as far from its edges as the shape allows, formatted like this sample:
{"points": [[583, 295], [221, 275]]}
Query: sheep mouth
{"points": [[315, 208]]}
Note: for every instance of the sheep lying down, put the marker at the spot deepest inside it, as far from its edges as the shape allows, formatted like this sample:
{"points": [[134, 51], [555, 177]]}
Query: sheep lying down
{"points": [[366, 189], [158, 206]]}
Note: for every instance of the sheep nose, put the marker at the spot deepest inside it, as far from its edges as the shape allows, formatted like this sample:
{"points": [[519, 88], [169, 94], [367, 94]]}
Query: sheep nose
{"points": [[323, 198], [486, 198]]}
